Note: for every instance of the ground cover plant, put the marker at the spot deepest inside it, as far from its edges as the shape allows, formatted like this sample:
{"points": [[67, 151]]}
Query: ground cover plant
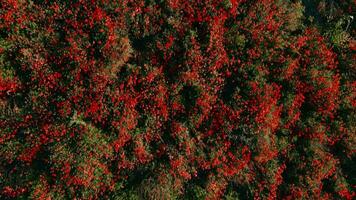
{"points": [[177, 99]]}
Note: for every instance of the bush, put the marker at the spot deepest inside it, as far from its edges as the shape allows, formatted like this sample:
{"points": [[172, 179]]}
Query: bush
{"points": [[175, 99]]}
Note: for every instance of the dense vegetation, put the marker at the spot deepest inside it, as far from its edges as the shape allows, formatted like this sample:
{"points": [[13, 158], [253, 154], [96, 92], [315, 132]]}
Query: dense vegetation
{"points": [[177, 99]]}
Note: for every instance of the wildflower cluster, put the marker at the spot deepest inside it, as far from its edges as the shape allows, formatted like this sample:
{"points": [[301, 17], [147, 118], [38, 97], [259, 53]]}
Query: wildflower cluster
{"points": [[177, 99]]}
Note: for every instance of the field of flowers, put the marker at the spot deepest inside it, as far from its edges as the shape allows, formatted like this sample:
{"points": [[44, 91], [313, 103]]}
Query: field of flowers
{"points": [[177, 99]]}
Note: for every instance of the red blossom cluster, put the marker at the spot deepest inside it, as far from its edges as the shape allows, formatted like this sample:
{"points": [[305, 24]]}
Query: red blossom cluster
{"points": [[175, 99]]}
